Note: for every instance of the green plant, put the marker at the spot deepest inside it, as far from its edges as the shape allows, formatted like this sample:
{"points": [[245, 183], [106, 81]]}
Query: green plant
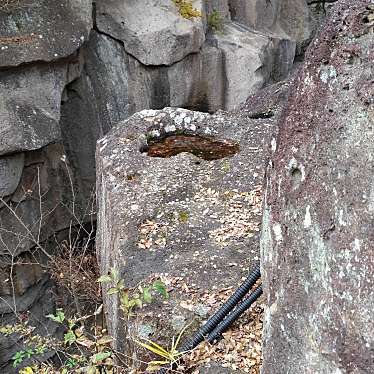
{"points": [[183, 217], [131, 298], [215, 21], [96, 354], [29, 352], [168, 356], [186, 9]]}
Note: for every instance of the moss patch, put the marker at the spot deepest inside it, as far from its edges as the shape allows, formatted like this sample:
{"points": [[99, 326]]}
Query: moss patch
{"points": [[186, 10]]}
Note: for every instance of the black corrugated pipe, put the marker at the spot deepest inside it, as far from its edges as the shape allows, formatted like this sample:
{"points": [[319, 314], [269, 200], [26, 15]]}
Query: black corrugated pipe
{"points": [[222, 312], [234, 315]]}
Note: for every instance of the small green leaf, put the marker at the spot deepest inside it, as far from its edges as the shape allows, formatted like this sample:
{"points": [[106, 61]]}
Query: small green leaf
{"points": [[40, 349], [100, 357], [138, 302], [114, 274], [71, 363], [147, 297], [18, 357], [69, 338], [160, 287], [112, 291], [120, 284], [29, 352], [124, 299], [104, 279], [59, 317]]}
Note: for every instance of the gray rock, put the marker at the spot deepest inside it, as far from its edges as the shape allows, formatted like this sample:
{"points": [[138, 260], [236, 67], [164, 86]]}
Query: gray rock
{"points": [[42, 30], [94, 103], [30, 107], [244, 56], [168, 216], [10, 173], [153, 31], [251, 60], [285, 18], [34, 305], [219, 7], [42, 203], [317, 239]]}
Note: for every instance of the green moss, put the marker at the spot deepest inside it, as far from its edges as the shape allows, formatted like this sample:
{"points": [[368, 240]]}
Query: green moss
{"points": [[186, 10], [215, 21], [226, 166], [183, 217]]}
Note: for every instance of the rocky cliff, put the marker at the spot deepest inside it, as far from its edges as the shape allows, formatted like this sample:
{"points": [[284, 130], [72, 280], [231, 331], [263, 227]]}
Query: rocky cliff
{"points": [[317, 238], [71, 70]]}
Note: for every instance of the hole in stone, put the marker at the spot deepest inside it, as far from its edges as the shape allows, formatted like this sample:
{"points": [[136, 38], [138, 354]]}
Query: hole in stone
{"points": [[367, 19], [296, 176], [206, 148], [262, 115]]}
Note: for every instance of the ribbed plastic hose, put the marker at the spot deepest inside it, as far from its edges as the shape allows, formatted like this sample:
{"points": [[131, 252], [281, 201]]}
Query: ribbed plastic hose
{"points": [[222, 312], [234, 315]]}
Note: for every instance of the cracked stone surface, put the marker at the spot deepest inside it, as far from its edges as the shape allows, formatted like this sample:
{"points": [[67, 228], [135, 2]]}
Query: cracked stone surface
{"points": [[152, 30], [317, 236], [181, 216], [42, 30]]}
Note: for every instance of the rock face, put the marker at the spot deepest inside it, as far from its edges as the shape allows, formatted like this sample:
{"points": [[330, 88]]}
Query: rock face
{"points": [[69, 72], [317, 239], [178, 199], [43, 30], [290, 17], [30, 107], [152, 31]]}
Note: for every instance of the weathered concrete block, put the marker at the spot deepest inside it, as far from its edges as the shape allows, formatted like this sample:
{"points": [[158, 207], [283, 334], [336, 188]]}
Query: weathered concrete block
{"points": [[178, 198], [318, 225]]}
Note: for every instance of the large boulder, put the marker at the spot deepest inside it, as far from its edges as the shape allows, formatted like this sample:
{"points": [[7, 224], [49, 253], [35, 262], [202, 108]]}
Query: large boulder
{"points": [[250, 61], [30, 107], [42, 30], [287, 18], [178, 197], [153, 31], [318, 225]]}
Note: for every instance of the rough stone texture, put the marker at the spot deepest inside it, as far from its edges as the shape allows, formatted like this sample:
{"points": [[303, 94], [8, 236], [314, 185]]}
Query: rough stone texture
{"points": [[317, 239], [250, 61], [42, 30], [10, 173], [182, 216], [30, 106], [220, 7], [152, 30], [44, 183], [58, 96], [287, 18], [42, 206]]}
